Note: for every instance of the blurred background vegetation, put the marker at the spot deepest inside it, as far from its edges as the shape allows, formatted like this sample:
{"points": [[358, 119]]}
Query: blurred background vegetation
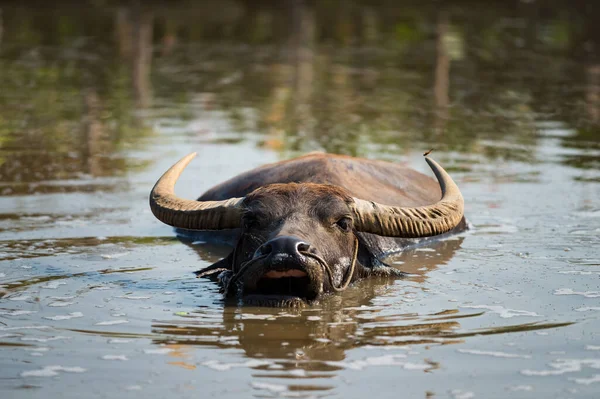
{"points": [[84, 81]]}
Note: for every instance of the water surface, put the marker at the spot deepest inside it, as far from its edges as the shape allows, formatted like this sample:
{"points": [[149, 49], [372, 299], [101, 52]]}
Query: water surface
{"points": [[98, 298]]}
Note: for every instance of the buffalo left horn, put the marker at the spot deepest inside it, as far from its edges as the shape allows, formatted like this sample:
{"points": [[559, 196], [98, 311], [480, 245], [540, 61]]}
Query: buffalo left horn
{"points": [[188, 214], [413, 222]]}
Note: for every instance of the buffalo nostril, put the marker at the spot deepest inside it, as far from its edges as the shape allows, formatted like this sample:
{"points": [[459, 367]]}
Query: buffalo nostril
{"points": [[303, 247], [289, 245]]}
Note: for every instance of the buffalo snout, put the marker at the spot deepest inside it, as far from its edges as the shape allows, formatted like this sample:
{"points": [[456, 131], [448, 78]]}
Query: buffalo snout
{"points": [[282, 247], [280, 269]]}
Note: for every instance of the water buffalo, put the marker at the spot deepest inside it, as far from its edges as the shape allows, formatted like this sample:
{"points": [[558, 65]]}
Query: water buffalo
{"points": [[313, 224]]}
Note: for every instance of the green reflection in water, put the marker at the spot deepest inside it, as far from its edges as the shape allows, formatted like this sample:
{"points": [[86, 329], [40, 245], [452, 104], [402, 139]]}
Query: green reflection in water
{"points": [[356, 79], [67, 104], [35, 248]]}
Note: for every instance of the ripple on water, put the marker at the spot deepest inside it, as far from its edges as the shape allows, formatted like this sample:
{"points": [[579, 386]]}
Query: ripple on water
{"points": [[494, 354], [502, 311], [587, 214], [10, 335], [38, 349], [219, 366], [19, 298], [269, 387], [563, 366], [527, 388], [586, 381], [45, 339], [52, 285], [60, 304], [294, 391], [580, 272], [134, 297], [118, 341], [569, 291], [158, 351], [385, 360], [460, 394], [111, 322], [73, 315], [114, 255], [101, 288], [251, 316], [2, 328], [51, 371], [588, 308], [16, 312], [114, 357]]}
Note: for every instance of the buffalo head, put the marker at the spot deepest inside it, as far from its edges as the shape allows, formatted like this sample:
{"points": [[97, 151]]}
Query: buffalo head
{"points": [[300, 240]]}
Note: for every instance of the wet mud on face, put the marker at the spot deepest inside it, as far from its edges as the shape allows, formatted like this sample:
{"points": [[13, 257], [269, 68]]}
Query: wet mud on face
{"points": [[98, 298]]}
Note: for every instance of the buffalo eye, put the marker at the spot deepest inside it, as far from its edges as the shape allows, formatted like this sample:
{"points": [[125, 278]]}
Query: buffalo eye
{"points": [[249, 220], [344, 223]]}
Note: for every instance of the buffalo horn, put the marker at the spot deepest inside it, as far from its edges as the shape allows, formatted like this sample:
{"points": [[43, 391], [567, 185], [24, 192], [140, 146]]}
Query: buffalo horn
{"points": [[413, 222], [188, 214]]}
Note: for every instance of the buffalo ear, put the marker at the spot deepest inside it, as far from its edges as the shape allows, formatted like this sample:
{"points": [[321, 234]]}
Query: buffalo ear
{"points": [[369, 258], [213, 270]]}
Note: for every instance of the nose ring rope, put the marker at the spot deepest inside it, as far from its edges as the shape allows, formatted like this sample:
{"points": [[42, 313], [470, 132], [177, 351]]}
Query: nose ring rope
{"points": [[244, 266], [329, 272]]}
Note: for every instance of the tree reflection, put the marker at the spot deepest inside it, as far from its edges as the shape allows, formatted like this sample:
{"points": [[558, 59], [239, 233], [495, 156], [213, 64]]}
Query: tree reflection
{"points": [[347, 77], [360, 76], [66, 107], [1, 26], [442, 72], [592, 97], [141, 55]]}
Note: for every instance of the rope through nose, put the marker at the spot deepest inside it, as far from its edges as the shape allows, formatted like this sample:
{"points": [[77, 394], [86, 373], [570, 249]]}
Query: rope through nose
{"points": [[329, 272], [235, 278], [348, 278]]}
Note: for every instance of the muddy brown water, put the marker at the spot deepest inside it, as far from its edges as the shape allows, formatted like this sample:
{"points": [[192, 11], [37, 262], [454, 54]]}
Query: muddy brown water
{"points": [[97, 100]]}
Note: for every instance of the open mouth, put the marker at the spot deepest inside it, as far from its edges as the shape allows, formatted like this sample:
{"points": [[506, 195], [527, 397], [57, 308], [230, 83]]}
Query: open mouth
{"points": [[284, 273], [286, 283]]}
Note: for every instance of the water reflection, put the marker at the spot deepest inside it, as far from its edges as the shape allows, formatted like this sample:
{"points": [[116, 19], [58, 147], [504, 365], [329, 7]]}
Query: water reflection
{"points": [[66, 110], [363, 79], [317, 337], [317, 340], [324, 332], [360, 80], [97, 96]]}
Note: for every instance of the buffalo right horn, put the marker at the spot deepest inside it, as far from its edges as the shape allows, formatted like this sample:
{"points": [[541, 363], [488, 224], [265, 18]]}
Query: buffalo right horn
{"points": [[413, 222], [189, 214]]}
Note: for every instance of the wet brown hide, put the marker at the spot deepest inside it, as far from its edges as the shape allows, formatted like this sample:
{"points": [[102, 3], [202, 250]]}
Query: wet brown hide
{"points": [[379, 181]]}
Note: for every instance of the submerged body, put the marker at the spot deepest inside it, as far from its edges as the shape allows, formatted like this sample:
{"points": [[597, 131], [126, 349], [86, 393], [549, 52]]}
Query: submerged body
{"points": [[315, 223]]}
